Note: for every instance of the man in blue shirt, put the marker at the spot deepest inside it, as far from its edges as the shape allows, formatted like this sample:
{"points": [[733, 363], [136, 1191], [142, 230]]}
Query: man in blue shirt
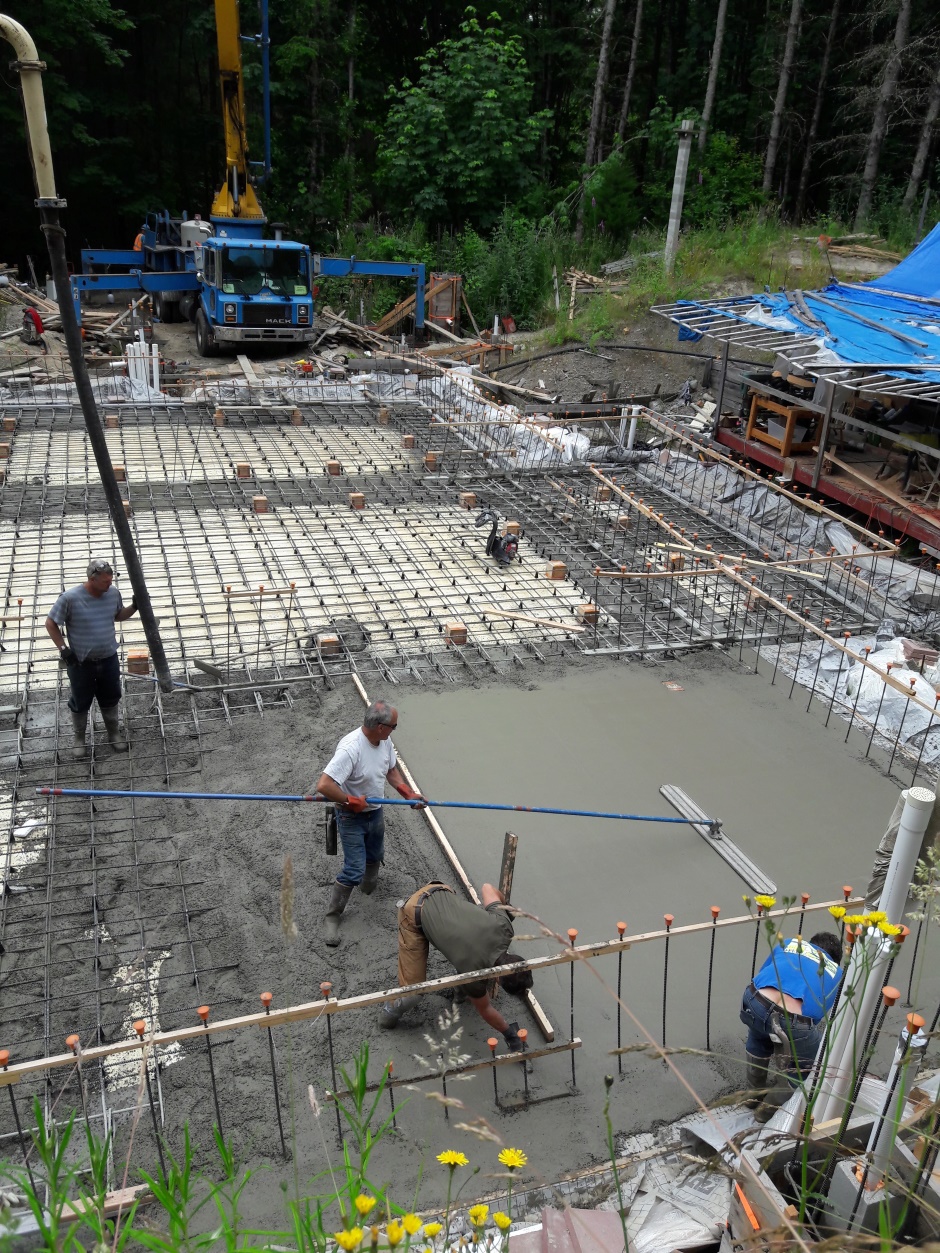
{"points": [[784, 1009], [88, 613]]}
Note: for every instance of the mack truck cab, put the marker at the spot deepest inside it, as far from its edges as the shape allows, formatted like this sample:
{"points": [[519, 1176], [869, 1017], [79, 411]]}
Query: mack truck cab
{"points": [[250, 291]]}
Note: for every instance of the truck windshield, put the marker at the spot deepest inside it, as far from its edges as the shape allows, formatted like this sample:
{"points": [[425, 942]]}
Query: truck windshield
{"points": [[245, 271]]}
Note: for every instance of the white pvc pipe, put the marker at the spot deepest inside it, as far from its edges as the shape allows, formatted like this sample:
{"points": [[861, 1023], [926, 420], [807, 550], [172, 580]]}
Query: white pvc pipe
{"points": [[918, 806], [869, 959], [908, 1056], [631, 438], [37, 131]]}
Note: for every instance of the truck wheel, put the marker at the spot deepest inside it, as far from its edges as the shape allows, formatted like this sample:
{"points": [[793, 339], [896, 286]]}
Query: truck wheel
{"points": [[205, 340], [164, 308]]}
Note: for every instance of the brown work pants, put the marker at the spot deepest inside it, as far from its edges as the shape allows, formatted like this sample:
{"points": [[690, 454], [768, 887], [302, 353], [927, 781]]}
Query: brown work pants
{"points": [[412, 946]]}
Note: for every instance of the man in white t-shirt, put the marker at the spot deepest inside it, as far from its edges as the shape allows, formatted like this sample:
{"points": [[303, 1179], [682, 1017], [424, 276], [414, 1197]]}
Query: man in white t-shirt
{"points": [[364, 760]]}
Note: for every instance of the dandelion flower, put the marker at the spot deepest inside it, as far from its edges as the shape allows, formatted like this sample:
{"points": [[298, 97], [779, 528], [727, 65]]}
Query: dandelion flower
{"points": [[450, 1158], [411, 1223], [854, 920], [394, 1234], [502, 1221], [766, 902], [513, 1159], [364, 1203], [837, 911], [477, 1214], [433, 1229], [876, 916], [887, 928], [349, 1240]]}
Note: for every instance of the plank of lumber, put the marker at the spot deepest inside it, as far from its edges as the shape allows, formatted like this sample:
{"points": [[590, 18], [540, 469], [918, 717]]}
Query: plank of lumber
{"points": [[524, 617], [863, 478], [406, 306], [247, 368]]}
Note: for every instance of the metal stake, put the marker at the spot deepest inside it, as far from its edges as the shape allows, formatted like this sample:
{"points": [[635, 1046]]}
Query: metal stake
{"points": [[326, 987], [140, 1027], [266, 999], [812, 691], [715, 910], [572, 936], [203, 1012], [874, 725], [391, 1094], [621, 930], [668, 919], [835, 686], [524, 1037], [858, 692], [910, 982], [492, 1043], [4, 1062], [804, 897]]}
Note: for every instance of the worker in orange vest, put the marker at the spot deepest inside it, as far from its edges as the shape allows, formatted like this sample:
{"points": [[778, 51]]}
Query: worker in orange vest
{"points": [[139, 241]]}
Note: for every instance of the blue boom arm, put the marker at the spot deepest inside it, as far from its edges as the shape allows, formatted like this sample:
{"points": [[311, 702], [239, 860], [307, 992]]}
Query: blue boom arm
{"points": [[344, 267]]}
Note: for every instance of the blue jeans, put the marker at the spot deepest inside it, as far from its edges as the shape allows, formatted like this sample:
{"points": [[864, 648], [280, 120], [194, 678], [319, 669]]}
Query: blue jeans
{"points": [[762, 1019], [363, 840], [95, 679]]}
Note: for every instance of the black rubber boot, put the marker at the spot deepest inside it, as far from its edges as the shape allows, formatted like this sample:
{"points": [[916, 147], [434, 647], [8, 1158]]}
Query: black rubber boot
{"points": [[370, 878], [112, 724], [338, 901], [392, 1011], [778, 1095], [79, 723], [758, 1079]]}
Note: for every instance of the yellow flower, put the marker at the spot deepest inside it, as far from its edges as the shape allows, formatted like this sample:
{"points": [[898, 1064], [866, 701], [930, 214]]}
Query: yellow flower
{"points": [[887, 928], [766, 902], [364, 1203], [477, 1214], [876, 916], [433, 1229], [854, 920], [348, 1240], [502, 1221], [513, 1158], [452, 1159], [394, 1233], [411, 1223], [837, 911]]}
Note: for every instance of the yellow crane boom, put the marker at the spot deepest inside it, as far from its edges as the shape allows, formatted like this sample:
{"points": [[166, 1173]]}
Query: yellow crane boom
{"points": [[236, 197]]}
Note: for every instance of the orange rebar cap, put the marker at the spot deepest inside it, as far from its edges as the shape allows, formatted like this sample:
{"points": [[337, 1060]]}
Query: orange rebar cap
{"points": [[914, 1023], [804, 897], [326, 987], [715, 911], [4, 1057], [572, 934], [203, 1012], [523, 1034], [846, 890], [669, 920], [266, 999], [492, 1043], [891, 995], [621, 928], [140, 1027], [71, 1042]]}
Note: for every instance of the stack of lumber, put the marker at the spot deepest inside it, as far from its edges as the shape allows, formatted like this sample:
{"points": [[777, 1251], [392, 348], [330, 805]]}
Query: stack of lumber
{"points": [[98, 323]]}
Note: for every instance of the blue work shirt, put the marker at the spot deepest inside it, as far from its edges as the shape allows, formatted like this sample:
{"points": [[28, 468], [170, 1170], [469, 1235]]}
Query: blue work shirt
{"points": [[804, 972]]}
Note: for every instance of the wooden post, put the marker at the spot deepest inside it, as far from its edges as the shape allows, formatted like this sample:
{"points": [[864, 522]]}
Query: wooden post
{"points": [[574, 288], [506, 871]]}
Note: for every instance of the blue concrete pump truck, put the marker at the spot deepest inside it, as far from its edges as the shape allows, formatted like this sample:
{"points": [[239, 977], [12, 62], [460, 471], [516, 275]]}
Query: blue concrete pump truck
{"points": [[238, 287]]}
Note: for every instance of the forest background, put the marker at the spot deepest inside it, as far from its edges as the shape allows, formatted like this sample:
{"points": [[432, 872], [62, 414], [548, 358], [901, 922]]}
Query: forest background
{"points": [[495, 143]]}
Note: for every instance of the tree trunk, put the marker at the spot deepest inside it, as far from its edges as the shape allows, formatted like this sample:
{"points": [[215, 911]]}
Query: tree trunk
{"points": [[631, 70], [879, 125], [350, 98], [710, 90], [600, 86], [780, 103], [923, 146], [813, 131]]}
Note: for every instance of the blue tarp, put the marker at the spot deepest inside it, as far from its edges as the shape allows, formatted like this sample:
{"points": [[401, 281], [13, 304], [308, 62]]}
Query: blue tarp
{"points": [[841, 306], [918, 274]]}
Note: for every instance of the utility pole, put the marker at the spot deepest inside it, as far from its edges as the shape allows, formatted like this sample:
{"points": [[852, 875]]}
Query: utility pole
{"points": [[48, 203], [686, 128]]}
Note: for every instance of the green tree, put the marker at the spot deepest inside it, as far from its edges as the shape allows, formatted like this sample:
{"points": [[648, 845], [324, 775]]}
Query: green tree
{"points": [[458, 144]]}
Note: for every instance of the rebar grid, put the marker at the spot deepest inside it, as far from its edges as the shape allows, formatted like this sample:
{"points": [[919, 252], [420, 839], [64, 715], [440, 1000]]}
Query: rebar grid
{"points": [[386, 580]]}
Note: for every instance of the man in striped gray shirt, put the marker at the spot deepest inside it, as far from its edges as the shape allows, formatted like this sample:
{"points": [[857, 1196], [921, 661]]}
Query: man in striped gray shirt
{"points": [[88, 613]]}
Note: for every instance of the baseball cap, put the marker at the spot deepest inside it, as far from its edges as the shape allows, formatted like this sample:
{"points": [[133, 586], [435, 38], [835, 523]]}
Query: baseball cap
{"points": [[98, 565]]}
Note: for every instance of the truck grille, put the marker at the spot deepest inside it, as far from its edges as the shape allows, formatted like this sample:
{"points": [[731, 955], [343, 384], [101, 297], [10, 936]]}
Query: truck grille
{"points": [[266, 314]]}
